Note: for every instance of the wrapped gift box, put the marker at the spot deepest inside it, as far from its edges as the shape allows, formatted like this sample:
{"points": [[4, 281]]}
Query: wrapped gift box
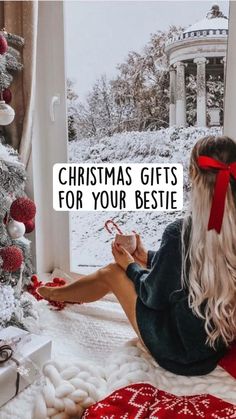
{"points": [[31, 352]]}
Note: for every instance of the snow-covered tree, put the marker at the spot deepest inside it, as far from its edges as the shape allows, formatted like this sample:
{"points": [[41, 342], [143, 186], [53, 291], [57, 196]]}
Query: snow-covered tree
{"points": [[97, 116], [15, 255], [10, 60], [136, 99], [215, 92], [191, 99], [100, 103], [215, 95], [72, 110], [142, 84]]}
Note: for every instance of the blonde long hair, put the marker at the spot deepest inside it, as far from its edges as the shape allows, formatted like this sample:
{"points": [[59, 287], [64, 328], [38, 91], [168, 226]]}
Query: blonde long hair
{"points": [[209, 258]]}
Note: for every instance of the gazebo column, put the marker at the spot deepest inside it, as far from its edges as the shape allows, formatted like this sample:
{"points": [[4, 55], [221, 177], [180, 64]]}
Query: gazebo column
{"points": [[180, 94], [201, 91], [224, 63], [172, 110]]}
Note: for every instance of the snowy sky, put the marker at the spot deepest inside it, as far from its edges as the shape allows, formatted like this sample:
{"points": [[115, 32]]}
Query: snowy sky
{"points": [[99, 34]]}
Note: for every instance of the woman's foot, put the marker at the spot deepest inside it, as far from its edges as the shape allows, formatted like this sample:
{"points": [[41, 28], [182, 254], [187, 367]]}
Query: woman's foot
{"points": [[50, 293]]}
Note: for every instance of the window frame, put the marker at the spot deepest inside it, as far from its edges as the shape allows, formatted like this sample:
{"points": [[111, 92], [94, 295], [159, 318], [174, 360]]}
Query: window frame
{"points": [[49, 145], [52, 236], [229, 127]]}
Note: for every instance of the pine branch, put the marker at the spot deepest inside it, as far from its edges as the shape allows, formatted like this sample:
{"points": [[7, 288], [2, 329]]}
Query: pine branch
{"points": [[5, 80], [13, 39], [14, 52], [16, 323], [12, 62]]}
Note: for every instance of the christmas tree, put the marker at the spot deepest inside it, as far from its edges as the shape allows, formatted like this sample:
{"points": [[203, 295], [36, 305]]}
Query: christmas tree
{"points": [[16, 210]]}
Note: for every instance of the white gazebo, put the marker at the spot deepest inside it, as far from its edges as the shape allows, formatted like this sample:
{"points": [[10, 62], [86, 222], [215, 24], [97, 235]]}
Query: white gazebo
{"points": [[200, 50]]}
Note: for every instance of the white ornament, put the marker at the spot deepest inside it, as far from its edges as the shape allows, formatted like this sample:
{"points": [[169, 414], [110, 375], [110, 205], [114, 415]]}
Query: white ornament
{"points": [[7, 113], [15, 229]]}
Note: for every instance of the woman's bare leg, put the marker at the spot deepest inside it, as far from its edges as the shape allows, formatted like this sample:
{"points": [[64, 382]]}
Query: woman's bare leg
{"points": [[93, 287], [86, 288], [123, 288]]}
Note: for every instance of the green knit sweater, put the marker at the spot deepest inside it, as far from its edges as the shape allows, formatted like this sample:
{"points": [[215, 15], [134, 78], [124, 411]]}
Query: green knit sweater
{"points": [[172, 333]]}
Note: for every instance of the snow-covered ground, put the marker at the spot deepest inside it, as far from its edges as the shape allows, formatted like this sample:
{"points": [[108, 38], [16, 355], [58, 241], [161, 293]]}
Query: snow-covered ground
{"points": [[90, 242]]}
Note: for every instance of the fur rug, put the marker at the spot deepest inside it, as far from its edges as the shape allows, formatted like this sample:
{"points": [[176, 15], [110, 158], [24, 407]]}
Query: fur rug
{"points": [[96, 339]]}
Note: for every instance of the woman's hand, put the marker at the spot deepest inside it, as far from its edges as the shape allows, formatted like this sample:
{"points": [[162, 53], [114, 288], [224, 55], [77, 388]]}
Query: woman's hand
{"points": [[121, 256], [140, 255]]}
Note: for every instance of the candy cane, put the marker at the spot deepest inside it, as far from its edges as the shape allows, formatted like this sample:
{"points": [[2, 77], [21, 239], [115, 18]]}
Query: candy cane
{"points": [[114, 225]]}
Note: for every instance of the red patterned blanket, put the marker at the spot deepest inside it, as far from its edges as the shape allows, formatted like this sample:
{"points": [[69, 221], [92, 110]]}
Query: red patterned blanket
{"points": [[144, 401]]}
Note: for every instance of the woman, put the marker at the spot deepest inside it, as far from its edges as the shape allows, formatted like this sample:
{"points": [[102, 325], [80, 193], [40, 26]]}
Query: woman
{"points": [[181, 299]]}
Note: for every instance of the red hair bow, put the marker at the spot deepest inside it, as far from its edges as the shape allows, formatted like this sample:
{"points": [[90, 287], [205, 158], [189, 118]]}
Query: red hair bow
{"points": [[221, 185]]}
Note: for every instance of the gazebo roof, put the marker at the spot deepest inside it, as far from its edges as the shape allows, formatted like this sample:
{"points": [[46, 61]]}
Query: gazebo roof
{"points": [[214, 20], [208, 24], [206, 38]]}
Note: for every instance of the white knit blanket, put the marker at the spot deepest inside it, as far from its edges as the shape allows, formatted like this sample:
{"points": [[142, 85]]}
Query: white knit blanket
{"points": [[94, 351]]}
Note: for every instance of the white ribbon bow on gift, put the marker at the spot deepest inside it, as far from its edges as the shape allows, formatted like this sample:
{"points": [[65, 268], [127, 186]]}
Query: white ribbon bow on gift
{"points": [[24, 367]]}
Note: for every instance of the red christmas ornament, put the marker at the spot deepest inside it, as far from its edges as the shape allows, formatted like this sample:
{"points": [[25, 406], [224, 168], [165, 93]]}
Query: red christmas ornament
{"points": [[33, 286], [6, 95], [23, 209], [12, 257], [29, 226], [3, 45]]}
